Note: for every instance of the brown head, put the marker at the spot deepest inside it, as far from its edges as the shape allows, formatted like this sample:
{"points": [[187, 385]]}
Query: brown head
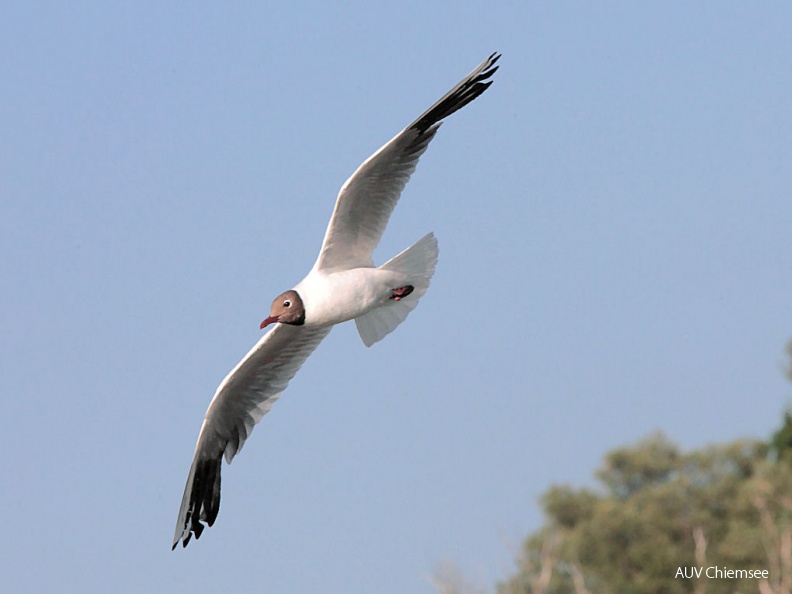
{"points": [[286, 309]]}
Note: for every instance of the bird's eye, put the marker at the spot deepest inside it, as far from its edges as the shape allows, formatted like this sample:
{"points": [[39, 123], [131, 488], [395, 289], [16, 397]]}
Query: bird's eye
{"points": [[287, 303]]}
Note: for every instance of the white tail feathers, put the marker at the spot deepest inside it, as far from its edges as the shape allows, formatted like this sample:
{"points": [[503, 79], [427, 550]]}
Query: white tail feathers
{"points": [[417, 263]]}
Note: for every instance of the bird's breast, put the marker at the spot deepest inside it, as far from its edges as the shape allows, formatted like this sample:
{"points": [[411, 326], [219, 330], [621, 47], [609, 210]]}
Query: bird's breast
{"points": [[335, 297]]}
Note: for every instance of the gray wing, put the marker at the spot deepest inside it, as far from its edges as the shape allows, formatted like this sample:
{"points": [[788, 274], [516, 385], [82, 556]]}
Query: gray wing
{"points": [[244, 396], [369, 196]]}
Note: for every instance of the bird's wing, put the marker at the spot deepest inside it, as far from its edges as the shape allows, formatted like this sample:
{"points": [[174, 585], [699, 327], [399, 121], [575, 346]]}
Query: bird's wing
{"points": [[244, 396], [369, 196]]}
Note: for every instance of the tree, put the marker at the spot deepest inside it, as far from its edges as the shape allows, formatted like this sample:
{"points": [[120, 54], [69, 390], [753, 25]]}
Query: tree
{"points": [[781, 442], [660, 509]]}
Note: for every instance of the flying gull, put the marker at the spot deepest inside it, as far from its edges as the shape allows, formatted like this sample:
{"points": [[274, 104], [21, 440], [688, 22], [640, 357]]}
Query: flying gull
{"points": [[343, 285]]}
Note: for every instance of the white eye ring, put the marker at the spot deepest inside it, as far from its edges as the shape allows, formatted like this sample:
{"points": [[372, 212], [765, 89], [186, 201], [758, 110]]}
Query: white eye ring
{"points": [[287, 303]]}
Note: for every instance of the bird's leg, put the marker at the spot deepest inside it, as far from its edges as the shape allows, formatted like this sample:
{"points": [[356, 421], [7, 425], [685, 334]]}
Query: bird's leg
{"points": [[401, 292]]}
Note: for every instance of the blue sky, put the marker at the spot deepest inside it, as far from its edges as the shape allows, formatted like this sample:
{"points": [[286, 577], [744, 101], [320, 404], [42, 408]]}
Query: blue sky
{"points": [[614, 222]]}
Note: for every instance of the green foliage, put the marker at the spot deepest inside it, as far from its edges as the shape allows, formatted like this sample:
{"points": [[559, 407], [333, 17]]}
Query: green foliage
{"points": [[629, 470], [661, 509], [781, 442]]}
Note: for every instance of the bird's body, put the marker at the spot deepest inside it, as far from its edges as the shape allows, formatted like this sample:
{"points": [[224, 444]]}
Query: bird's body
{"points": [[343, 285], [340, 296]]}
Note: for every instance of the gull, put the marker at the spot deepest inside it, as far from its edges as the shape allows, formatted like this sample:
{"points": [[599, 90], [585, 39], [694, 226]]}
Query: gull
{"points": [[343, 285]]}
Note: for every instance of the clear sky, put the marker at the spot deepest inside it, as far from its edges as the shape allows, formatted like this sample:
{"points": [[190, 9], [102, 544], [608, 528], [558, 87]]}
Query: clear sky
{"points": [[614, 219]]}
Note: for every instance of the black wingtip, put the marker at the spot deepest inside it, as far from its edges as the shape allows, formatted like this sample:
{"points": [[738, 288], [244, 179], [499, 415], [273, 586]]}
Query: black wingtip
{"points": [[473, 85], [203, 503]]}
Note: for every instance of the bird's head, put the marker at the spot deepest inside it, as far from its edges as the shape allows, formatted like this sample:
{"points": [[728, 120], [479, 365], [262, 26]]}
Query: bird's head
{"points": [[287, 309]]}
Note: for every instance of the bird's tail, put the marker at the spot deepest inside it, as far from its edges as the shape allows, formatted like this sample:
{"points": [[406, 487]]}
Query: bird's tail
{"points": [[417, 263]]}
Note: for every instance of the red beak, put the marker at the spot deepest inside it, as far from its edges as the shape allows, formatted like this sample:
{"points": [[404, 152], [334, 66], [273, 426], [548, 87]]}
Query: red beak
{"points": [[268, 321]]}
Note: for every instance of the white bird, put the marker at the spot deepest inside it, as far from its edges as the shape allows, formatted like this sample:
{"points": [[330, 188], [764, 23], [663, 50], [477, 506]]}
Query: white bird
{"points": [[342, 285]]}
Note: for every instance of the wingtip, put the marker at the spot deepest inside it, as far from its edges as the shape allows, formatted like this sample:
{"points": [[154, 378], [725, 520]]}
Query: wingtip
{"points": [[182, 538], [201, 499], [489, 66], [467, 90], [184, 535]]}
